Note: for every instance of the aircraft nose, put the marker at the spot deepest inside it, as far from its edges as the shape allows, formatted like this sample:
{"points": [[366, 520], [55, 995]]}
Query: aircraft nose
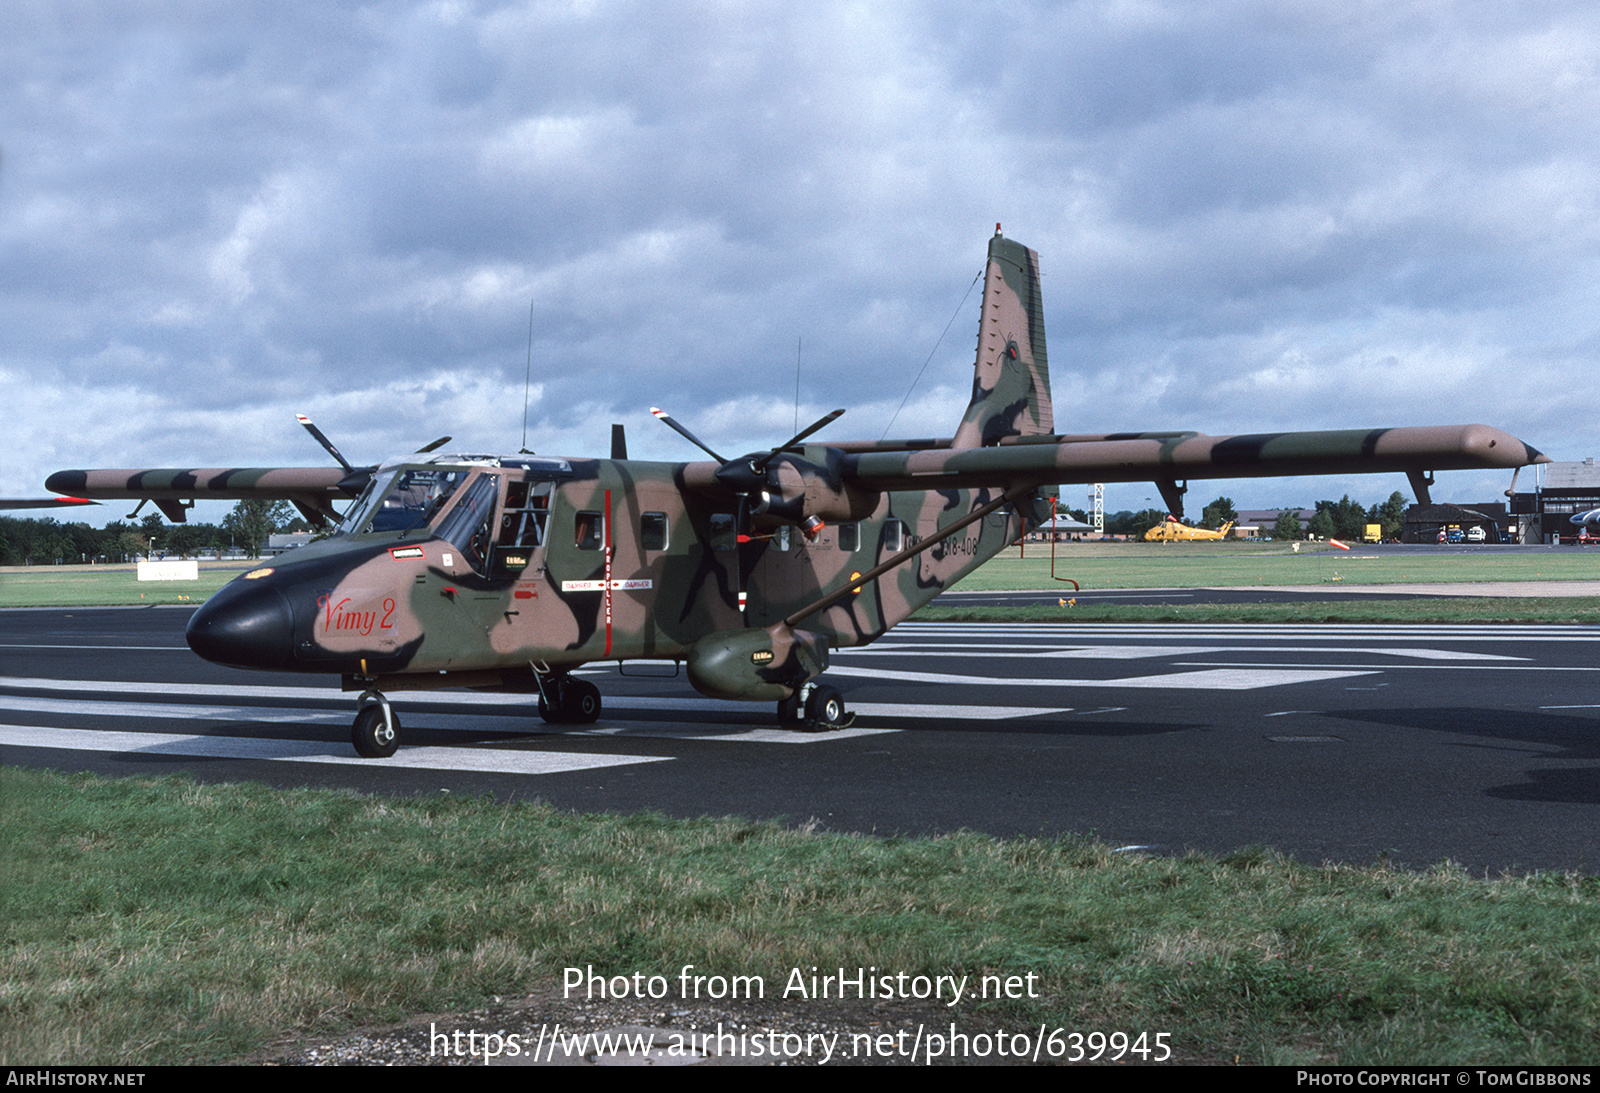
{"points": [[245, 625]]}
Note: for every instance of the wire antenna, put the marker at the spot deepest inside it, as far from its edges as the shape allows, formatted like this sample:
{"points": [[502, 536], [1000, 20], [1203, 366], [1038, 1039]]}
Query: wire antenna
{"points": [[931, 352], [527, 380]]}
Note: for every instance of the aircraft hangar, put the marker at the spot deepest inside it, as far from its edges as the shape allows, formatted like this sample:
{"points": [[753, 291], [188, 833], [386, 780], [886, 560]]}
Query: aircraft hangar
{"points": [[1560, 490]]}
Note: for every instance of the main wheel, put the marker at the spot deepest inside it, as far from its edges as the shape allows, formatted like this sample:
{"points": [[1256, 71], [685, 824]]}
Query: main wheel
{"points": [[581, 700], [372, 738], [576, 702], [825, 708]]}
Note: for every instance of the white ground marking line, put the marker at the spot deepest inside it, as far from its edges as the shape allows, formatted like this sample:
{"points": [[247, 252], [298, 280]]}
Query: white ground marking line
{"points": [[1403, 667], [1221, 679], [1135, 652], [489, 722], [433, 721], [481, 759]]}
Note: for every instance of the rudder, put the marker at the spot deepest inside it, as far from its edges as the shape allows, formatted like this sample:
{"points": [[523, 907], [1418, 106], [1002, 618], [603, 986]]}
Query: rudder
{"points": [[1011, 377]]}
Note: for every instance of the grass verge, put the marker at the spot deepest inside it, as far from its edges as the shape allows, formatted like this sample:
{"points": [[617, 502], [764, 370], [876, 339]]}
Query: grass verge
{"points": [[107, 586], [165, 922], [1207, 565]]}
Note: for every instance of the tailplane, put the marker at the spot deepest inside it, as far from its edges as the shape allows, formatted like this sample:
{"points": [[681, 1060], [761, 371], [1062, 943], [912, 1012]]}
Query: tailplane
{"points": [[1011, 379]]}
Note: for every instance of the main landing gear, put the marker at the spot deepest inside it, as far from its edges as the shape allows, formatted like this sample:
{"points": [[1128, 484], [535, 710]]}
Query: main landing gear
{"points": [[814, 707], [567, 701]]}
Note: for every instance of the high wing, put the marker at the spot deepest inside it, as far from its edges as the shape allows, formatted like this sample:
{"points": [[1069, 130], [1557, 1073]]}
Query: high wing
{"points": [[43, 502], [1171, 459], [312, 490]]}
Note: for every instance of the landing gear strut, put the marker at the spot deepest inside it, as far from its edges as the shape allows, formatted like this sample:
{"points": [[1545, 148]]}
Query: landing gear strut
{"points": [[567, 701], [814, 707], [376, 731]]}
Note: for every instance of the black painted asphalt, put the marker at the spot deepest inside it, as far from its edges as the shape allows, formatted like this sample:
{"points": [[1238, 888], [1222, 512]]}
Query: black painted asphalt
{"points": [[1415, 744]]}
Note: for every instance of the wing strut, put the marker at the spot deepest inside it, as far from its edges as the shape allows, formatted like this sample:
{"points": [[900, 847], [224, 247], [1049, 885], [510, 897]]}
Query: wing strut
{"points": [[1172, 493], [906, 555], [1420, 481]]}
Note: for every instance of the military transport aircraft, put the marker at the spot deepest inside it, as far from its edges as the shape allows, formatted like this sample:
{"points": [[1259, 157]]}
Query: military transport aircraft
{"points": [[508, 572]]}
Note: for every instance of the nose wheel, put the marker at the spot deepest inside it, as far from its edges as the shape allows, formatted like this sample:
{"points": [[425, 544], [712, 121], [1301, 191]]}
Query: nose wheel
{"points": [[376, 730]]}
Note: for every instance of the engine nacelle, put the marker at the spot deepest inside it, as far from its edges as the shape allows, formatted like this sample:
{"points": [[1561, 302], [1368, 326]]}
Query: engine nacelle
{"points": [[759, 665], [797, 491]]}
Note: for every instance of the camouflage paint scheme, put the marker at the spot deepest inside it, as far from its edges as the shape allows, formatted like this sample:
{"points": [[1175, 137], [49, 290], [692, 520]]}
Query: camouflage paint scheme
{"points": [[533, 566]]}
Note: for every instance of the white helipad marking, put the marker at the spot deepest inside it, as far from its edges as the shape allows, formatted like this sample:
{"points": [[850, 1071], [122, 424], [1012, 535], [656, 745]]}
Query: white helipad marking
{"points": [[480, 758]]}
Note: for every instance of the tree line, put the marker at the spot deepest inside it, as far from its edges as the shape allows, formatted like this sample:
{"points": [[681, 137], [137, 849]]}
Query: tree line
{"points": [[47, 541]]}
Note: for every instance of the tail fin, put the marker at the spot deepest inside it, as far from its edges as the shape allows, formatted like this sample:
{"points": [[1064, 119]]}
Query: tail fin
{"points": [[1011, 380]]}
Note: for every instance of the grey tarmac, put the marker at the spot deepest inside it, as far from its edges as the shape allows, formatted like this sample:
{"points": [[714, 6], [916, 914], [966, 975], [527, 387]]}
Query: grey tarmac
{"points": [[1417, 744]]}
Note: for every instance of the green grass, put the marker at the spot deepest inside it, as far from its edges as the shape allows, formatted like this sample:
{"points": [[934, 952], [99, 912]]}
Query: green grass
{"points": [[107, 585], [164, 921], [1207, 565]]}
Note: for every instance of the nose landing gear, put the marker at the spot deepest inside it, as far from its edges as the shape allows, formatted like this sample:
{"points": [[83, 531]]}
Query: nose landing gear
{"points": [[376, 730]]}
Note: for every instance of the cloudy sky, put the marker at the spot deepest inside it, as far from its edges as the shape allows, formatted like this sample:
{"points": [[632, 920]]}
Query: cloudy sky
{"points": [[1251, 214]]}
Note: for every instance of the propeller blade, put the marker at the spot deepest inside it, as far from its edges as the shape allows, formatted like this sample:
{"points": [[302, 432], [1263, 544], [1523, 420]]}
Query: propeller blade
{"points": [[435, 446], [666, 419], [821, 422], [311, 427]]}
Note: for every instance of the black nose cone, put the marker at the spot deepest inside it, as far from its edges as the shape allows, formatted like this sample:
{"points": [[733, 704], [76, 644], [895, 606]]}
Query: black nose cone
{"points": [[246, 625]]}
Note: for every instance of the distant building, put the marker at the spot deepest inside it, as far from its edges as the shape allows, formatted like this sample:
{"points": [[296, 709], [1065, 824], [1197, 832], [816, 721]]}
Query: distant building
{"points": [[1258, 523], [1062, 528], [277, 544], [1485, 523], [1563, 490]]}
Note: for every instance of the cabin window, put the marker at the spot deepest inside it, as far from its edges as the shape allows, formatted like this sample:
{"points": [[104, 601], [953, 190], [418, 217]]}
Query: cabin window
{"points": [[780, 538], [653, 531], [724, 531], [849, 536], [522, 521], [589, 530], [467, 527], [894, 535]]}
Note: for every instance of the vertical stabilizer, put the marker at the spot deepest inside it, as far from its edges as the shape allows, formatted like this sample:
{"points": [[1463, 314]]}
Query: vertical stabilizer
{"points": [[1011, 380]]}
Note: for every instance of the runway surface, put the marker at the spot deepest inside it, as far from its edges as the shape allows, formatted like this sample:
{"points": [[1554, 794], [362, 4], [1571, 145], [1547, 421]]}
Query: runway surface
{"points": [[1476, 744]]}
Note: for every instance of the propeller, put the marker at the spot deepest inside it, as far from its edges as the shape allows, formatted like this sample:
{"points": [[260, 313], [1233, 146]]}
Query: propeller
{"points": [[356, 478], [747, 474], [796, 491], [321, 438], [767, 489]]}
